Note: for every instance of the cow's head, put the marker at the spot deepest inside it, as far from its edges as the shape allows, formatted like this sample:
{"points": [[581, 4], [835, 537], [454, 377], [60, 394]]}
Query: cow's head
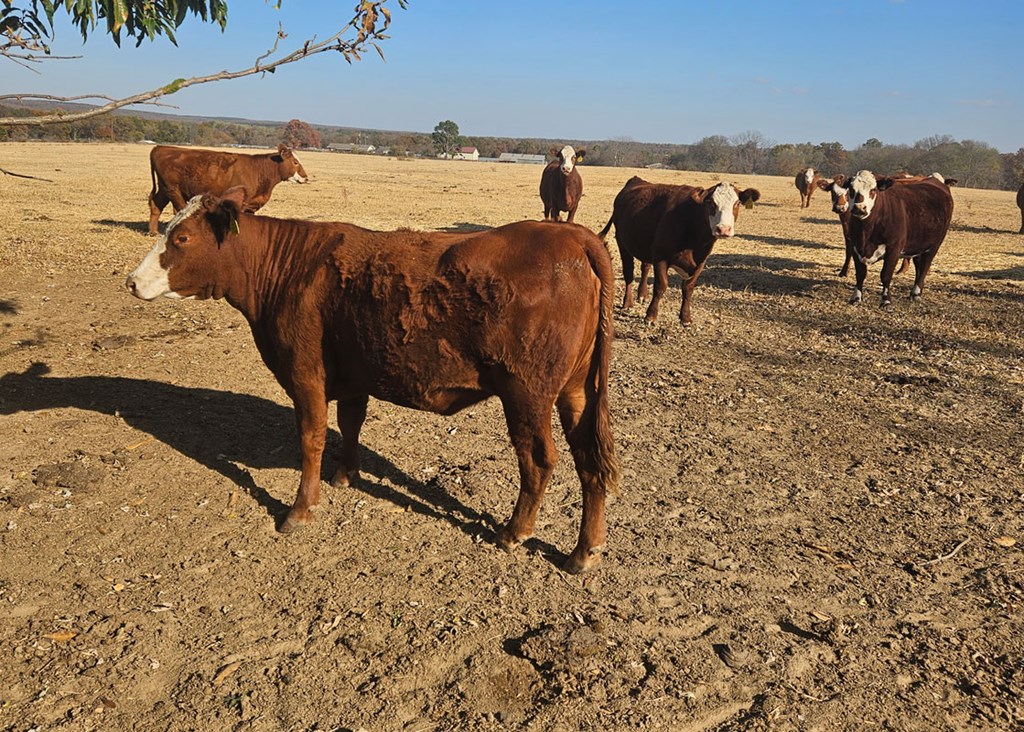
{"points": [[289, 166], [840, 192], [186, 261], [722, 206], [809, 176], [567, 157], [864, 188]]}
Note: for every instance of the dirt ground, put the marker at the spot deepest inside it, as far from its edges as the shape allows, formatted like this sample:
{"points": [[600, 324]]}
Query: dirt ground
{"points": [[819, 526]]}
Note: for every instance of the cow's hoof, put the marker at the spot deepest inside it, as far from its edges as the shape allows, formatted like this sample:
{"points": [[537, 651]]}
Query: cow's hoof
{"points": [[651, 322], [844, 273], [855, 300], [344, 479], [295, 521], [507, 541], [582, 561], [886, 304]]}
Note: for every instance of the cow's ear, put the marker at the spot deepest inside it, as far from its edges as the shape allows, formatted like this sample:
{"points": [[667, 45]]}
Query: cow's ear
{"points": [[950, 182], [282, 149], [553, 152], [225, 212], [839, 179], [749, 196], [580, 154], [883, 183], [824, 183]]}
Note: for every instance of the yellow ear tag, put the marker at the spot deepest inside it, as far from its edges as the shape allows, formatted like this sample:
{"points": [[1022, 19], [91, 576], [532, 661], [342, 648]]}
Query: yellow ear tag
{"points": [[749, 204], [234, 226]]}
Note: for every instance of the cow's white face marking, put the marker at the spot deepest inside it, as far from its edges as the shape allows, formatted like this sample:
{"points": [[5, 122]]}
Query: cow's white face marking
{"points": [[840, 198], [809, 176], [723, 218], [863, 188], [297, 176], [149, 280], [938, 177], [568, 156]]}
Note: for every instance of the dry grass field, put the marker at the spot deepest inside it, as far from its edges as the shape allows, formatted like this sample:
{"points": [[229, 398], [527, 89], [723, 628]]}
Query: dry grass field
{"points": [[820, 523]]}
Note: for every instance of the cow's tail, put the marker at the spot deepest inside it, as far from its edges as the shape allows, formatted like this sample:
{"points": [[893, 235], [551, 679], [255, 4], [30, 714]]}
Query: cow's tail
{"points": [[152, 174], [603, 233], [606, 462]]}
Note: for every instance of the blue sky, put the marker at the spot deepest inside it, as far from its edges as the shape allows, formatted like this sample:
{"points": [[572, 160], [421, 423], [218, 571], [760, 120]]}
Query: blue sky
{"points": [[670, 71]]}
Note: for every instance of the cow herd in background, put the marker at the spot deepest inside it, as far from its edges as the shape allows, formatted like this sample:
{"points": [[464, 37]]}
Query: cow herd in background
{"points": [[440, 321]]}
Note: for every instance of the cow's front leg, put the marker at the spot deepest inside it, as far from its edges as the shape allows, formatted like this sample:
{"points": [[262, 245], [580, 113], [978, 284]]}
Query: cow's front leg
{"points": [[351, 414], [529, 427], [660, 285], [311, 417], [861, 271], [888, 270], [689, 282]]}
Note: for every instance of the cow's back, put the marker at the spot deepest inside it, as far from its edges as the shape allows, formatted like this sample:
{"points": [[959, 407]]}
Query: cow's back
{"points": [[927, 206], [418, 311], [194, 172], [642, 211]]}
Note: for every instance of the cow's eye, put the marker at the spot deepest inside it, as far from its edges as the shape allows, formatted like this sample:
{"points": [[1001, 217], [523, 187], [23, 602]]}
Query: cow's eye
{"points": [[181, 239]]}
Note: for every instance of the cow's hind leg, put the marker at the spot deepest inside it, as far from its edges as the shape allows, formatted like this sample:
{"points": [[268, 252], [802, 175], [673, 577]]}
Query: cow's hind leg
{"points": [[643, 291], [311, 416], [351, 414], [158, 201], [529, 427], [628, 265], [922, 263], [578, 414]]}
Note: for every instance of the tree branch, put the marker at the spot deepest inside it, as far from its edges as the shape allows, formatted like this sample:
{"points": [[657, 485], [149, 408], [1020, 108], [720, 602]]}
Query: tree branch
{"points": [[370, 22]]}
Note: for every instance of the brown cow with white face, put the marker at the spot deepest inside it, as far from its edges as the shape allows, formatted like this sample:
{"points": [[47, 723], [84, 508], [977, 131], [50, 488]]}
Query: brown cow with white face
{"points": [[806, 181], [431, 321], [896, 219], [672, 226], [179, 173], [841, 207], [561, 185]]}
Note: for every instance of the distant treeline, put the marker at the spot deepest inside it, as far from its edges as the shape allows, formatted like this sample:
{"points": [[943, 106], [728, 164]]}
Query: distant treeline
{"points": [[974, 164]]}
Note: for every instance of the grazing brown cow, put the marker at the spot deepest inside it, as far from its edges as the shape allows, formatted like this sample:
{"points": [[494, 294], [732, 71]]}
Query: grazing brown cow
{"points": [[560, 184], [1020, 205], [179, 173], [431, 321], [891, 220], [672, 226], [806, 181]]}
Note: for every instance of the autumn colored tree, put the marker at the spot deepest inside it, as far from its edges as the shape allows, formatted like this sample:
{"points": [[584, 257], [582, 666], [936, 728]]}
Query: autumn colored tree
{"points": [[299, 134]]}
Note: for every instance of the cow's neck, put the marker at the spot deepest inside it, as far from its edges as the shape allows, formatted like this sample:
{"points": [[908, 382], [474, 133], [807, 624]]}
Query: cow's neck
{"points": [[273, 262]]}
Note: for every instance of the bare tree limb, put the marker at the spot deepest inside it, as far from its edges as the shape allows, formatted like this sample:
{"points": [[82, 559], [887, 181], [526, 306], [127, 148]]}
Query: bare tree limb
{"points": [[22, 175], [370, 22]]}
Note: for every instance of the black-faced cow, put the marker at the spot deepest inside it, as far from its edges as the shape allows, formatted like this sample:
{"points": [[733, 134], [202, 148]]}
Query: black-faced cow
{"points": [[893, 220], [561, 186], [431, 321], [672, 226], [179, 173], [806, 181]]}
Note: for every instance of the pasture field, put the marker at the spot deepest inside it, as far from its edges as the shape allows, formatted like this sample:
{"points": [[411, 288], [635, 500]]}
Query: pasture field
{"points": [[820, 523]]}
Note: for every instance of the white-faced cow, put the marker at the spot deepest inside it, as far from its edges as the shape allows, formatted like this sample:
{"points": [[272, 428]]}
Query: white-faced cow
{"points": [[893, 220], [561, 186], [431, 321], [806, 181], [672, 226], [179, 173]]}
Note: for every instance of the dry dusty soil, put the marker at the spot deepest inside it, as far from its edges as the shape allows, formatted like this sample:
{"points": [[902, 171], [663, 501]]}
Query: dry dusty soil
{"points": [[819, 525]]}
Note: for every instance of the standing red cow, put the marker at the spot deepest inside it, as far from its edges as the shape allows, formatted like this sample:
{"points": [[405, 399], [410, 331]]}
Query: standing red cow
{"points": [[179, 173], [427, 320], [561, 186], [806, 182]]}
